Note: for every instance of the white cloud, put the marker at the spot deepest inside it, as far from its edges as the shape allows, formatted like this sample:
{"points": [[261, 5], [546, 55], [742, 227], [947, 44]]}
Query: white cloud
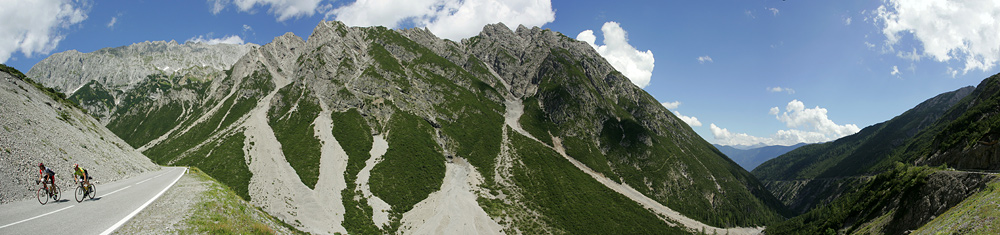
{"points": [[111, 24], [703, 59], [233, 39], [749, 14], [282, 9], [895, 71], [781, 89], [773, 10], [847, 21], [724, 137], [35, 26], [962, 30], [449, 19], [635, 64], [691, 121], [671, 105], [806, 125]]}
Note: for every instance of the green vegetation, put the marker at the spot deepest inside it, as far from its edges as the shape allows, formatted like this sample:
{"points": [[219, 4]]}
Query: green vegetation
{"points": [[253, 88], [221, 211], [572, 201], [536, 122], [975, 215], [292, 121], [94, 94], [847, 213], [690, 175], [139, 119], [412, 167], [354, 135], [225, 160]]}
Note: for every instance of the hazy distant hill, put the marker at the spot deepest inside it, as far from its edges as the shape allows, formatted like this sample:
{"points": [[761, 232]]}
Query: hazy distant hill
{"points": [[750, 158]]}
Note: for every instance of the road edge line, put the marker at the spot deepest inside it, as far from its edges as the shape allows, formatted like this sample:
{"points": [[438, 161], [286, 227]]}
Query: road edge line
{"points": [[36, 217], [136, 212]]}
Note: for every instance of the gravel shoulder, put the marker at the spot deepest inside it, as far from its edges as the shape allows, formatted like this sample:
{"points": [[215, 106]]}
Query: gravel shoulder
{"points": [[200, 205]]}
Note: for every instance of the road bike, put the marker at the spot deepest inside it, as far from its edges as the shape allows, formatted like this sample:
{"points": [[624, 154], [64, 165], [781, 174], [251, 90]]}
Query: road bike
{"points": [[85, 190], [43, 194]]}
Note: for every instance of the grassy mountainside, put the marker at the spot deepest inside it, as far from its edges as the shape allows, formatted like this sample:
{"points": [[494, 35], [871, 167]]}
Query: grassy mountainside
{"points": [[900, 196], [816, 168]]}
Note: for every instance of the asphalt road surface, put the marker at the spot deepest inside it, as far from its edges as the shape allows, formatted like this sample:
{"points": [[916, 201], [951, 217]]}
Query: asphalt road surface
{"points": [[113, 205]]}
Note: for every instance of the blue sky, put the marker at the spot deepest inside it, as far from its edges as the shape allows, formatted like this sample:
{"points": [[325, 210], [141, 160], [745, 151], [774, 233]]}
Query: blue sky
{"points": [[847, 64]]}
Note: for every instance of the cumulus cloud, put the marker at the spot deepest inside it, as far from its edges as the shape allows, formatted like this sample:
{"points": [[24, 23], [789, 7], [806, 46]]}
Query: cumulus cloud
{"points": [[635, 64], [282, 9], [691, 121], [671, 105], [703, 59], [960, 30], [847, 21], [36, 26], [806, 125], [450, 19], [895, 71], [781, 89], [233, 39]]}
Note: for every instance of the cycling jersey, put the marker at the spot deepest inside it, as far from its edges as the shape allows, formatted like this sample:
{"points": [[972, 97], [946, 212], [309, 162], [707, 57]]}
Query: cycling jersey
{"points": [[79, 171], [47, 171]]}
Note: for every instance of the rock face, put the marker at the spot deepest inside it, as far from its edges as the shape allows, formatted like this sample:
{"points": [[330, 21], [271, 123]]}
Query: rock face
{"points": [[111, 72], [39, 129], [372, 130]]}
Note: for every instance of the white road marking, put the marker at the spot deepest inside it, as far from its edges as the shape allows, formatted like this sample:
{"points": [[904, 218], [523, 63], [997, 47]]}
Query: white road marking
{"points": [[136, 212], [144, 181], [112, 192], [36, 217]]}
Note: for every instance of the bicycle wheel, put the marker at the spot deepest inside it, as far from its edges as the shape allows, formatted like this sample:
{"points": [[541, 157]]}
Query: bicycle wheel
{"points": [[42, 195], [79, 195], [93, 191], [55, 193]]}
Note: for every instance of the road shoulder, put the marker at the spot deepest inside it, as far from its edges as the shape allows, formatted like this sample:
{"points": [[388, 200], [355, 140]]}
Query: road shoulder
{"points": [[199, 204]]}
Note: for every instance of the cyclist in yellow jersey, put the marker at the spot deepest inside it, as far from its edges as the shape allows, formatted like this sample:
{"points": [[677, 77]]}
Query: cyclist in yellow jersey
{"points": [[82, 173]]}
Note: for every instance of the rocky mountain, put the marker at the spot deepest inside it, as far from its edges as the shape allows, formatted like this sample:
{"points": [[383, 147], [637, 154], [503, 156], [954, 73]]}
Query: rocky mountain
{"points": [[40, 126], [102, 79], [750, 158], [894, 176], [372, 130]]}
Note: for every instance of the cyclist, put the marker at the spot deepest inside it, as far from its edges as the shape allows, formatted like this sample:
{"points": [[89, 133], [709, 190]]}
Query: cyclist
{"points": [[83, 176], [46, 173]]}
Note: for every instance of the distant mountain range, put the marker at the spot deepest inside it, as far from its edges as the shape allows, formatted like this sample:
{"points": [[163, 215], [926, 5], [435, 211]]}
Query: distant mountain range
{"points": [[749, 157]]}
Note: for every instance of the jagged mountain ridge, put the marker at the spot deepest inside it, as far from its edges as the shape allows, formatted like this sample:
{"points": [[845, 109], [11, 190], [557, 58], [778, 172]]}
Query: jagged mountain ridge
{"points": [[361, 115], [102, 79]]}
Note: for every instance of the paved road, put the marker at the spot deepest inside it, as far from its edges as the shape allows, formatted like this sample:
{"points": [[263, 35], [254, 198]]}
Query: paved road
{"points": [[114, 204]]}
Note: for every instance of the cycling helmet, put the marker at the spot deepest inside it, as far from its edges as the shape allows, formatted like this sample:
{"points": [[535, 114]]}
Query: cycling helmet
{"points": [[41, 165], [76, 166]]}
